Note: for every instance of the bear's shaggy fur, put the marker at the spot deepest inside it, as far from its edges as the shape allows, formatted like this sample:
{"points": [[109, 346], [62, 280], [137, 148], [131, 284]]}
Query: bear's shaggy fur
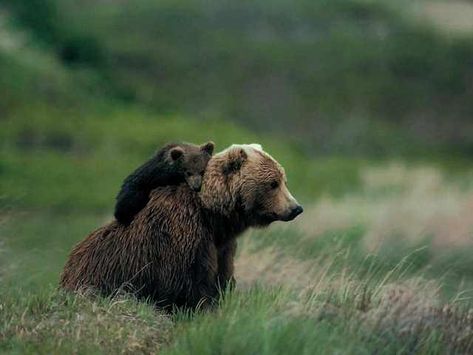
{"points": [[171, 165], [179, 249]]}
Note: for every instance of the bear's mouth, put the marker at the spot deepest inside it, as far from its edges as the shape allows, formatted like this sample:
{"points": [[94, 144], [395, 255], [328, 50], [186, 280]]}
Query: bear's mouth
{"points": [[267, 218], [263, 219]]}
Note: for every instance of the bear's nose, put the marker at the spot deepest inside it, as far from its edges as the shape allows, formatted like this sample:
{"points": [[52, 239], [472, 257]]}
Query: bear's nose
{"points": [[296, 211]]}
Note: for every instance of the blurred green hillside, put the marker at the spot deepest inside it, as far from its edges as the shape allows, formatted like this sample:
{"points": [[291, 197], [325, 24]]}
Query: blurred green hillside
{"points": [[352, 77]]}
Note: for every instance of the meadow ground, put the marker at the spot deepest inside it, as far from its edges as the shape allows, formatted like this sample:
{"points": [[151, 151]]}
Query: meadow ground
{"points": [[380, 262]]}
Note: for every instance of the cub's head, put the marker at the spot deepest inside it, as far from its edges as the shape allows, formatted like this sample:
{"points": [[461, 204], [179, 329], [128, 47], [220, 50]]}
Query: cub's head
{"points": [[190, 161], [247, 180]]}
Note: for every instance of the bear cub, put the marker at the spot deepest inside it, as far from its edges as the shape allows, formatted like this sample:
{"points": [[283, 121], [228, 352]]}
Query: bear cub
{"points": [[171, 165]]}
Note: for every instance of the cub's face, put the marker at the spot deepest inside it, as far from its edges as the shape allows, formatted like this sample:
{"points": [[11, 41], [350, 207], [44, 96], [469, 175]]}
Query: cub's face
{"points": [[191, 161], [256, 184]]}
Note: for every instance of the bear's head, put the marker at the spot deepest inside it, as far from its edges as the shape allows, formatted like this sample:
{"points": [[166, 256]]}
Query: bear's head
{"points": [[246, 181]]}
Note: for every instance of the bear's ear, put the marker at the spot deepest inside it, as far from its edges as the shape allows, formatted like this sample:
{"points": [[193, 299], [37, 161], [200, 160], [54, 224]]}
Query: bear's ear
{"points": [[176, 152], [256, 146], [235, 161], [208, 147]]}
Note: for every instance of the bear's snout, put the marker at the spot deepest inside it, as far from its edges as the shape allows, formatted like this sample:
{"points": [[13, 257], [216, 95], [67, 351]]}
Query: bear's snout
{"points": [[292, 213], [194, 182], [296, 211]]}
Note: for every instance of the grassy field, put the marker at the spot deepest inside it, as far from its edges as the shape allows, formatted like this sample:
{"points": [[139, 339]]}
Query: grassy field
{"points": [[380, 260], [366, 104]]}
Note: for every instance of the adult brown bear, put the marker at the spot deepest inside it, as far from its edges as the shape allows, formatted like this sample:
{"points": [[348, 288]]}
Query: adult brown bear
{"points": [[179, 249]]}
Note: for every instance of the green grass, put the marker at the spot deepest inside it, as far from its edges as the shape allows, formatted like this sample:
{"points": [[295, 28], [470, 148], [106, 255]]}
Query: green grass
{"points": [[344, 302], [255, 322], [47, 322]]}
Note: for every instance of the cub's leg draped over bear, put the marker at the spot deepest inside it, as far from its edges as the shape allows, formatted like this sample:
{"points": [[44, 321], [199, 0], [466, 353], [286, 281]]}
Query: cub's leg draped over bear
{"points": [[179, 249], [171, 165]]}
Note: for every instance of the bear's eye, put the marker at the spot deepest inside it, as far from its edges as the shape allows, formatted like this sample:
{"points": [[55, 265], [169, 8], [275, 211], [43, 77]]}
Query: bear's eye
{"points": [[188, 173], [274, 184]]}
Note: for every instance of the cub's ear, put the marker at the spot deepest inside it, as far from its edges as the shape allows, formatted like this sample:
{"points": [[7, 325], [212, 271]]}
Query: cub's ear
{"points": [[176, 152], [208, 147], [235, 161]]}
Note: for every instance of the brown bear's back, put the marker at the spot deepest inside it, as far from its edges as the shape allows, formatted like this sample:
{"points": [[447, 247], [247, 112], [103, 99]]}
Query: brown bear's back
{"points": [[152, 257]]}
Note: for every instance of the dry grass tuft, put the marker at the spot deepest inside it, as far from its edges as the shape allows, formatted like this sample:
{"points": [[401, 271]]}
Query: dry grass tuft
{"points": [[409, 309], [413, 311], [81, 322], [270, 267], [453, 16]]}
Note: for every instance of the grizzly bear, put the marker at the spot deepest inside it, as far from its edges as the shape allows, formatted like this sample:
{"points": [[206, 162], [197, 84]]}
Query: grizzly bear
{"points": [[179, 250], [171, 165]]}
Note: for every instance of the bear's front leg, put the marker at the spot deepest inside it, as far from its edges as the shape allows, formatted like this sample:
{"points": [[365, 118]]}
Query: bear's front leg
{"points": [[205, 290], [226, 255]]}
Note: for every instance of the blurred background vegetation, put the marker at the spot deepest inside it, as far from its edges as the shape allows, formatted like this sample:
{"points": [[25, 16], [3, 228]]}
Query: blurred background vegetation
{"points": [[334, 82], [367, 104], [359, 78]]}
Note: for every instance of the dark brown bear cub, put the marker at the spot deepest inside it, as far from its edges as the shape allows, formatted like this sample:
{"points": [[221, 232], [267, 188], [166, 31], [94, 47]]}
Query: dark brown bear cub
{"points": [[173, 164]]}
